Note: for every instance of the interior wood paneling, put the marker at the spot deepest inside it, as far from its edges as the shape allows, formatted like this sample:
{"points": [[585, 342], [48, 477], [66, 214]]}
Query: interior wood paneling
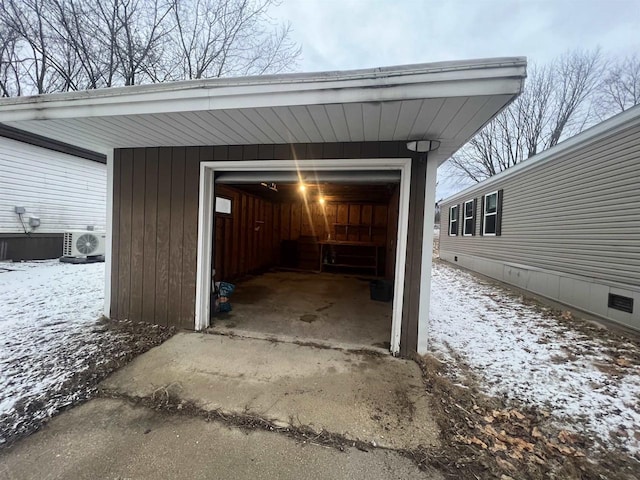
{"points": [[244, 239]]}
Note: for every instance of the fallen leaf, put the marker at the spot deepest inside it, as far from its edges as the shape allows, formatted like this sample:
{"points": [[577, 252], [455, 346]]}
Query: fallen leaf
{"points": [[567, 437], [538, 459], [536, 433], [499, 446], [623, 362], [521, 444], [518, 415], [488, 419], [561, 448], [489, 430], [505, 464], [477, 441], [515, 454]]}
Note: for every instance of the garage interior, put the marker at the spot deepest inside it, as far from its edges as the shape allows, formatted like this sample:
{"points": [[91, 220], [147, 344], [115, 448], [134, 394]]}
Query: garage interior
{"points": [[302, 249]]}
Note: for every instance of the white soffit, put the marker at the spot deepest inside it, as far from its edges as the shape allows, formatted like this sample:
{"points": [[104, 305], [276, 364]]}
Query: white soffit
{"points": [[447, 101]]}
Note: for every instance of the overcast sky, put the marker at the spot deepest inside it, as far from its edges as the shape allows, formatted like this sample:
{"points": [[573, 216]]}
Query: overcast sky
{"points": [[348, 34]]}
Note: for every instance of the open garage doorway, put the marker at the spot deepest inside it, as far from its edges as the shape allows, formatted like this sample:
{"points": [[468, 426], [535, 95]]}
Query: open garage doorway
{"points": [[313, 250]]}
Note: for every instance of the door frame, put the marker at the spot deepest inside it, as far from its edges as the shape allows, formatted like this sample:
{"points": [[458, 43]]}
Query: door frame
{"points": [[206, 211]]}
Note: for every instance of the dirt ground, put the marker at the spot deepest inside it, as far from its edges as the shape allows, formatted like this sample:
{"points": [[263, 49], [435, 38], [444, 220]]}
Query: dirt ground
{"points": [[486, 437], [114, 344]]}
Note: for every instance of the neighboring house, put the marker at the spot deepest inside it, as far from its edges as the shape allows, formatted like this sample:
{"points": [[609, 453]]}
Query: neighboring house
{"points": [[46, 187], [565, 224], [371, 140]]}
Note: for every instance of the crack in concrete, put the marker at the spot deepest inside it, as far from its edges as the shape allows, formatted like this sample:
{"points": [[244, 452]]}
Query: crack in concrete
{"points": [[167, 402]]}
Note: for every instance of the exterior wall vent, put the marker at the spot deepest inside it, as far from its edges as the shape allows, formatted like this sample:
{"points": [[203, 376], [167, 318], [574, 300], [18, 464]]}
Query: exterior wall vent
{"points": [[618, 302]]}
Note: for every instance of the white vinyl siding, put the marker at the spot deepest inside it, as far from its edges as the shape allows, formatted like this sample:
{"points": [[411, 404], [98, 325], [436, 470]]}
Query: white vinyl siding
{"points": [[576, 213], [63, 191]]}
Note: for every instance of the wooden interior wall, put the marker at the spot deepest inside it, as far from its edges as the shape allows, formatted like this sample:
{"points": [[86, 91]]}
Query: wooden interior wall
{"points": [[155, 219], [248, 239], [312, 219]]}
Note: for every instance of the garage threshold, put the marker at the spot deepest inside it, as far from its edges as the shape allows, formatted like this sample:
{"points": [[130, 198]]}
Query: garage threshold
{"points": [[330, 310]]}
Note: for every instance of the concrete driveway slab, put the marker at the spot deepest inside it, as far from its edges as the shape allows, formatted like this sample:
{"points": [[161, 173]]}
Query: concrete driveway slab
{"points": [[110, 439], [363, 396]]}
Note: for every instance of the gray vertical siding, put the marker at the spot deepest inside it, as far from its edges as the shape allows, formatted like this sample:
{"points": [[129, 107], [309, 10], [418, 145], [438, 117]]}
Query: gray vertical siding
{"points": [[576, 213]]}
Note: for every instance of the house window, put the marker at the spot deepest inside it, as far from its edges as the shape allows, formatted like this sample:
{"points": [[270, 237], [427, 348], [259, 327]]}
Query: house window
{"points": [[491, 214], [453, 220], [468, 220], [223, 205]]}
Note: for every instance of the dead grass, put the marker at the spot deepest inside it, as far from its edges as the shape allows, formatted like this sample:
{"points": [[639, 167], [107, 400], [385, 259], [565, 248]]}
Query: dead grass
{"points": [[484, 438]]}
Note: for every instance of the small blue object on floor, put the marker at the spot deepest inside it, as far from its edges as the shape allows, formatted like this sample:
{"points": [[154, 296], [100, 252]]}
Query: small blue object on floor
{"points": [[223, 291]]}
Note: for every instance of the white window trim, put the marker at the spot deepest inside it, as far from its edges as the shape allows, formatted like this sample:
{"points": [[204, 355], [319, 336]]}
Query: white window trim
{"points": [[465, 218], [485, 215], [451, 220]]}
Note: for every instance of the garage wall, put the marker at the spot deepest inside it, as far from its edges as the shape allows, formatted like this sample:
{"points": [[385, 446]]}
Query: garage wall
{"points": [[247, 240], [155, 217], [319, 221]]}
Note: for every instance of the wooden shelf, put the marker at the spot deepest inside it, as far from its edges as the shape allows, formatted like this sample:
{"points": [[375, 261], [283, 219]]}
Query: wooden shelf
{"points": [[353, 255], [348, 265]]}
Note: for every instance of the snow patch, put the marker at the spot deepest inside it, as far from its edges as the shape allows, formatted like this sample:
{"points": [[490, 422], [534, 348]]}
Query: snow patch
{"points": [[524, 353]]}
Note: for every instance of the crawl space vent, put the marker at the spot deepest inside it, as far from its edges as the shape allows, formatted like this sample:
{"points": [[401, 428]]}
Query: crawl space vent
{"points": [[618, 302]]}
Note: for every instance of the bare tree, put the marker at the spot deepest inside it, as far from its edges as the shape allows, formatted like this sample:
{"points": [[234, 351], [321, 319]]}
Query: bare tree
{"points": [[10, 83], [234, 37], [556, 103], [60, 45], [620, 89]]}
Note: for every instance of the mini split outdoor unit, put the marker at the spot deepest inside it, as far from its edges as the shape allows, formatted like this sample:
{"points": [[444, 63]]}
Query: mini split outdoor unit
{"points": [[82, 246]]}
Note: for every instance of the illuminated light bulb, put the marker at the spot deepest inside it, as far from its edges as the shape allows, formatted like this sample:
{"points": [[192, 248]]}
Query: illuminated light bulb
{"points": [[321, 200], [302, 187]]}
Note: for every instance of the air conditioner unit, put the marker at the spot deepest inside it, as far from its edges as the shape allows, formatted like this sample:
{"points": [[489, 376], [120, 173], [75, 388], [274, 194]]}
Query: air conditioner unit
{"points": [[83, 244]]}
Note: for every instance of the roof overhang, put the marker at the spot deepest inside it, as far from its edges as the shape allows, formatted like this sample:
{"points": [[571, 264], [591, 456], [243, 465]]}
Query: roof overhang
{"points": [[448, 102]]}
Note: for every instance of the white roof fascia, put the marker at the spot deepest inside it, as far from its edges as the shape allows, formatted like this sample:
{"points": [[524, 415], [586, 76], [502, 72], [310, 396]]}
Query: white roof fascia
{"points": [[592, 134], [448, 79]]}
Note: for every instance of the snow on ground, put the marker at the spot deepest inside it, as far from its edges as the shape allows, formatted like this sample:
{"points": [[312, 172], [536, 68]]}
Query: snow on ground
{"points": [[526, 353], [48, 313]]}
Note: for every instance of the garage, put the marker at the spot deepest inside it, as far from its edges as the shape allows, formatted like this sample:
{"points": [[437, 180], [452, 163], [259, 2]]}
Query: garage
{"points": [[312, 254], [363, 138]]}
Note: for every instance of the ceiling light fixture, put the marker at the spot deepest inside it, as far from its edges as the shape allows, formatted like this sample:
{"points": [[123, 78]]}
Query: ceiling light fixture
{"points": [[423, 145], [302, 187]]}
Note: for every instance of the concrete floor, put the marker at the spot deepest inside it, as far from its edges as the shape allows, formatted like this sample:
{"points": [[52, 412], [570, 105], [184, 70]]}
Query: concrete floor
{"points": [[367, 397], [328, 308], [110, 439]]}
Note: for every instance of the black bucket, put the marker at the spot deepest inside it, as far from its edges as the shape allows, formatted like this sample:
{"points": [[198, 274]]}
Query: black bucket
{"points": [[381, 290]]}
